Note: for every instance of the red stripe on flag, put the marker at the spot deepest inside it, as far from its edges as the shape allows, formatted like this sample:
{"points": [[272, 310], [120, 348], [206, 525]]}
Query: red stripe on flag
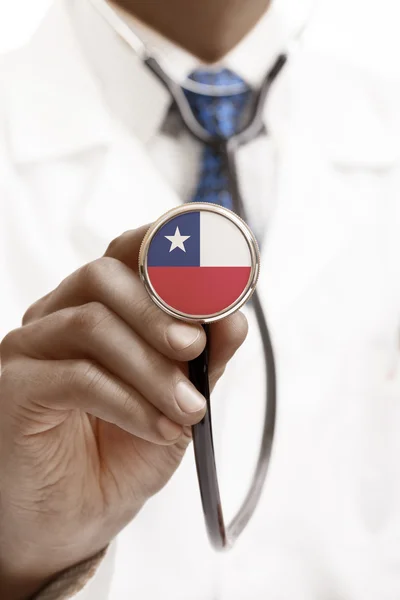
{"points": [[199, 290]]}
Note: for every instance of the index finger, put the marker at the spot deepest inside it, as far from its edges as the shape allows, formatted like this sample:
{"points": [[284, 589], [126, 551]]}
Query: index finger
{"points": [[126, 247], [110, 282]]}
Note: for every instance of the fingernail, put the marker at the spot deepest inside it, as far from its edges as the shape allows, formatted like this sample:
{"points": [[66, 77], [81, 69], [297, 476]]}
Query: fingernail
{"points": [[188, 398], [180, 336], [168, 429]]}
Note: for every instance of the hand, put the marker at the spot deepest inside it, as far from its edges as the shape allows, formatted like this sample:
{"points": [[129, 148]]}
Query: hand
{"points": [[95, 413]]}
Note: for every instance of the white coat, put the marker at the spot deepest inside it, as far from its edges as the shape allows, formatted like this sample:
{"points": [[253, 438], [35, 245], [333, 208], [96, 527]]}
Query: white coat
{"points": [[328, 526]]}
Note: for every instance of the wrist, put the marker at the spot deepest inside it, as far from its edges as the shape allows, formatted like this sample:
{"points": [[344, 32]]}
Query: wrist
{"points": [[19, 585], [23, 572]]}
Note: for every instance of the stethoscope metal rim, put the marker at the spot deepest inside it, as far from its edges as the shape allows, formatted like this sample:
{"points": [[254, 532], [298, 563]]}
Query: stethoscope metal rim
{"points": [[254, 257]]}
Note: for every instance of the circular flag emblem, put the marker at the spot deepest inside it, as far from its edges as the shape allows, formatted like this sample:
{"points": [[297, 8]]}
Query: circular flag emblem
{"points": [[199, 262]]}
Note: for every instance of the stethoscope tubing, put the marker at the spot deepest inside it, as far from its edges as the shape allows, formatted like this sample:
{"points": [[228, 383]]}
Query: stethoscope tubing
{"points": [[254, 125], [223, 536]]}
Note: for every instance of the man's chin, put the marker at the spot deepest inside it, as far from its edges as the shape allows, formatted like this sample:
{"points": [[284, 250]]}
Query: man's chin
{"points": [[208, 29]]}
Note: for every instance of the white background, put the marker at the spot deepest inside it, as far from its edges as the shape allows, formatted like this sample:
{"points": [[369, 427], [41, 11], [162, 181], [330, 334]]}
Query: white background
{"points": [[18, 19]]}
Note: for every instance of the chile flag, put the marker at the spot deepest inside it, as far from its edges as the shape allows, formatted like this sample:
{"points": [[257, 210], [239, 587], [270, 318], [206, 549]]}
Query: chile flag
{"points": [[199, 263]]}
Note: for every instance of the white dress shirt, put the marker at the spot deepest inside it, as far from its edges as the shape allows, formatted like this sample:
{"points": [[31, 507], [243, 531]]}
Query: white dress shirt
{"points": [[84, 156], [141, 104]]}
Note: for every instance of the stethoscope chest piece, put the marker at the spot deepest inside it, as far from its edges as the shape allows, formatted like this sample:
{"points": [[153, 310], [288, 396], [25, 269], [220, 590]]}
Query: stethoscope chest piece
{"points": [[199, 262]]}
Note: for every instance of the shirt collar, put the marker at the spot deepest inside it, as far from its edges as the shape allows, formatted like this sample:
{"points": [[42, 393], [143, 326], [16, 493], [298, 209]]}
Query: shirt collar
{"points": [[136, 96], [63, 92]]}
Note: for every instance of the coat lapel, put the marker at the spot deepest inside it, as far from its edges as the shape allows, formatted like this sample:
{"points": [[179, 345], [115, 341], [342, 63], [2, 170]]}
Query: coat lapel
{"points": [[311, 224], [327, 136], [123, 192]]}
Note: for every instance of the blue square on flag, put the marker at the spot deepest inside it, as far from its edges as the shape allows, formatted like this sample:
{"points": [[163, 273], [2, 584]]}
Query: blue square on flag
{"points": [[177, 243]]}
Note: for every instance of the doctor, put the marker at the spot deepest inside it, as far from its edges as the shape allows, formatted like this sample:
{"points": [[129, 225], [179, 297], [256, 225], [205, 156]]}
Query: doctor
{"points": [[95, 406]]}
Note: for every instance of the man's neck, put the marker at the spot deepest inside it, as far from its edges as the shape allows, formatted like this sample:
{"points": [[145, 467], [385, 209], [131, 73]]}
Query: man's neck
{"points": [[208, 29]]}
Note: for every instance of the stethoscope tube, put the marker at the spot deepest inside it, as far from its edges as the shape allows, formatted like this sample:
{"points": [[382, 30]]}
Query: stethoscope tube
{"points": [[251, 130], [223, 536]]}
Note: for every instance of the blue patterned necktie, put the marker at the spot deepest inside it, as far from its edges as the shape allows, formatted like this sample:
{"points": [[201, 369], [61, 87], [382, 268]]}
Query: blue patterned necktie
{"points": [[222, 116]]}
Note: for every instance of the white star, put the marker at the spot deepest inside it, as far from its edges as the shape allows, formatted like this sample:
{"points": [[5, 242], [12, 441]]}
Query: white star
{"points": [[177, 240]]}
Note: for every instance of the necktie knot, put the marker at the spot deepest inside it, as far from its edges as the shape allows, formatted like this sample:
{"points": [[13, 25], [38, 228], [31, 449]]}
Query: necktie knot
{"points": [[220, 113]]}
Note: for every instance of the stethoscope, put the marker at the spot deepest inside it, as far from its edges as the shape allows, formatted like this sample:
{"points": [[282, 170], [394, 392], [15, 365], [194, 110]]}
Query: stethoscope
{"points": [[221, 535]]}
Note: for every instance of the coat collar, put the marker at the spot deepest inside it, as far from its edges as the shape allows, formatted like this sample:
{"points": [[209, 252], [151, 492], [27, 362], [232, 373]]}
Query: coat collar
{"points": [[67, 88], [52, 103], [57, 103]]}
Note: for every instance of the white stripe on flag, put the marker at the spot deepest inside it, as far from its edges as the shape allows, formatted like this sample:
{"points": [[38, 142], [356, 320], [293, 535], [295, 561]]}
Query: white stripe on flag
{"points": [[222, 244]]}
